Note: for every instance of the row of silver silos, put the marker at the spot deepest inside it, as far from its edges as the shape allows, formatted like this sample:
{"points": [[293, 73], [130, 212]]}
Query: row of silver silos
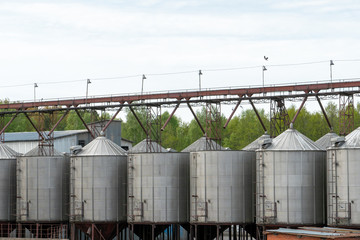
{"points": [[288, 180]]}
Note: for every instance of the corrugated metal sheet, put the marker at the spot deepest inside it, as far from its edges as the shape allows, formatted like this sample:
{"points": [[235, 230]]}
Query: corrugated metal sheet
{"points": [[141, 147], [325, 141], [291, 139], [42, 151], [257, 143], [101, 146], [34, 136], [303, 232], [352, 140], [200, 145], [7, 153]]}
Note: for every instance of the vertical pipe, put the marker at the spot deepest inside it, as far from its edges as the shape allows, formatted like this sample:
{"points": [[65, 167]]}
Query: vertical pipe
{"points": [[217, 232], [152, 232], [230, 232], [235, 227], [92, 231]]}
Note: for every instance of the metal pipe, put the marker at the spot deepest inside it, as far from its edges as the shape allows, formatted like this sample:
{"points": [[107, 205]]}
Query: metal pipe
{"points": [[84, 123], [197, 120], [298, 111], [258, 115], [232, 114], [171, 115], [113, 117]]}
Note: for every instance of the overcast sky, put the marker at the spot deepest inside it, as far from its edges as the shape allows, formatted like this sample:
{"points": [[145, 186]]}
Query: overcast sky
{"points": [[61, 41]]}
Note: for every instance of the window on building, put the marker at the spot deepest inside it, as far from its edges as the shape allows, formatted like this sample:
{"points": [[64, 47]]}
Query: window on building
{"points": [[81, 142]]}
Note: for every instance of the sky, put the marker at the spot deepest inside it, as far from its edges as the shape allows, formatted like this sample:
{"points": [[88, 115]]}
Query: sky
{"points": [[60, 44]]}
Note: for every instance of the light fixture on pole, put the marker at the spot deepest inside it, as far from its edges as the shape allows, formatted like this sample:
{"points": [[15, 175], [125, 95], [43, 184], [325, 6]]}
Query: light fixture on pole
{"points": [[331, 64], [142, 83], [35, 86], [200, 73], [87, 89], [263, 77]]}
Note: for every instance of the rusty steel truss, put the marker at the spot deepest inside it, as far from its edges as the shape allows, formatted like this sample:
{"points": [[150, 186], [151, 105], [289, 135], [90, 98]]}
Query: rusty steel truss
{"points": [[213, 98]]}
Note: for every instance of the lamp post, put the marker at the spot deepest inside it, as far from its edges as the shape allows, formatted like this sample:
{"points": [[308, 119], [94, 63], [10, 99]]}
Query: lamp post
{"points": [[142, 83], [200, 73], [87, 89], [263, 77], [331, 64], [35, 86]]}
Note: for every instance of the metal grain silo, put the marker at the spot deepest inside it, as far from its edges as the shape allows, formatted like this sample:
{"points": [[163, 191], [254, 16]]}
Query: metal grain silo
{"points": [[147, 145], [256, 144], [158, 187], [7, 183], [325, 141], [42, 186], [343, 181], [98, 183], [290, 174], [203, 144], [221, 187]]}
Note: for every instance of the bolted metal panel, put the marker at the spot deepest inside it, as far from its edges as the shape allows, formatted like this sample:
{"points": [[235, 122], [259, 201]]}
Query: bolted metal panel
{"points": [[98, 183], [158, 188], [290, 181], [221, 187], [98, 188], [343, 182], [42, 187], [290, 187], [7, 183]]}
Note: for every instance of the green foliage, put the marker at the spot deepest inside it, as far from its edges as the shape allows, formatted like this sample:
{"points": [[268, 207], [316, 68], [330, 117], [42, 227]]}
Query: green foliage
{"points": [[241, 130]]}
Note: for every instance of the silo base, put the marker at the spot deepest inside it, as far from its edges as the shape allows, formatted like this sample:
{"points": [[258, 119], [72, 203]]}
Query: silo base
{"points": [[222, 231], [101, 231]]}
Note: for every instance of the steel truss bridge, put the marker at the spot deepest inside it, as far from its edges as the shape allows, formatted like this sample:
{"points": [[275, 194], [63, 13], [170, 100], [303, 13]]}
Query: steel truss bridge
{"points": [[276, 95]]}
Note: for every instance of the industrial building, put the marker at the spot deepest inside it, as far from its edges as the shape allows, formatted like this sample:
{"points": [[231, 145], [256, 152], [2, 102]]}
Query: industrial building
{"points": [[22, 142]]}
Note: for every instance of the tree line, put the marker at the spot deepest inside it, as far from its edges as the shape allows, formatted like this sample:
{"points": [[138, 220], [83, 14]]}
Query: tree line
{"points": [[178, 134]]}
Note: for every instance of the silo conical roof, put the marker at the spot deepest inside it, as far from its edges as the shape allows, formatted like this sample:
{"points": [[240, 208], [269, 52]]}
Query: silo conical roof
{"points": [[291, 139], [352, 140], [6, 152], [141, 147], [200, 145], [257, 143], [325, 141], [101, 146], [42, 151]]}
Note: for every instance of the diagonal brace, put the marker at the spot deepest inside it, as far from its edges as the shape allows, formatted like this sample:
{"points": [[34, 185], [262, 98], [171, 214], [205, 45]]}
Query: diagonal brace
{"points": [[171, 115], [324, 112], [232, 114], [197, 120], [84, 123], [298, 111], [8, 124], [258, 115], [139, 121], [57, 123], [113, 117], [36, 129]]}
